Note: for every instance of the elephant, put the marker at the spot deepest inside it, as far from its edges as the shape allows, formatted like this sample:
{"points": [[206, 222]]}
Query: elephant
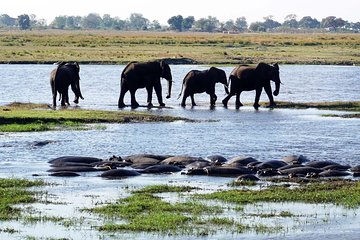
{"points": [[247, 78], [144, 75], [65, 74], [197, 81]]}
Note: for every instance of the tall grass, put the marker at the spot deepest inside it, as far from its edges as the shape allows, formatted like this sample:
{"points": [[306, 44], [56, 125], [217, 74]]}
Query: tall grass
{"points": [[121, 47]]}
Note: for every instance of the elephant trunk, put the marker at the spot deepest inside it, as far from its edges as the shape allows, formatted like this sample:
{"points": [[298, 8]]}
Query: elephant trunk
{"points": [[169, 88], [277, 88], [78, 93]]}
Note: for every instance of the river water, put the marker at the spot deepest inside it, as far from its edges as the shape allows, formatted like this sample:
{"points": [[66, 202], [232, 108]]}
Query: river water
{"points": [[265, 134]]}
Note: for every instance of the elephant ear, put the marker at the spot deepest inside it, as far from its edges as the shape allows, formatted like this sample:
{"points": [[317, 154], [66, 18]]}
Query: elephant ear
{"points": [[262, 67], [212, 69], [276, 66]]}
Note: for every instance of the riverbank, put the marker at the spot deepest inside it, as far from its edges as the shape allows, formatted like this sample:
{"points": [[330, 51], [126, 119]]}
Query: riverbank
{"points": [[28, 117], [114, 47]]}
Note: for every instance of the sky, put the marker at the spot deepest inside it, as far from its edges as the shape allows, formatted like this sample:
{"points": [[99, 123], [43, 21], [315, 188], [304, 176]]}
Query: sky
{"points": [[162, 10]]}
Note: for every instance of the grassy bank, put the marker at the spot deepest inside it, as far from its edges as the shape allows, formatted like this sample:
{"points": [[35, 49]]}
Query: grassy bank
{"points": [[13, 191], [144, 211], [21, 117], [114, 47], [27, 117], [338, 106]]}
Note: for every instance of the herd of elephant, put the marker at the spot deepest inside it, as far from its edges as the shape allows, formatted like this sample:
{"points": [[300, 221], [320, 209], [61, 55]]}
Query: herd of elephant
{"points": [[147, 75]]}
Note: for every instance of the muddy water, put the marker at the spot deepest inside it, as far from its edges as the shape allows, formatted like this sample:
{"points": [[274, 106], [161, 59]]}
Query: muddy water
{"points": [[264, 134]]}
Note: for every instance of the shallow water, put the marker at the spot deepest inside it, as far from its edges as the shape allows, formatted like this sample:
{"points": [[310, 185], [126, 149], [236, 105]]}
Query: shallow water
{"points": [[264, 134]]}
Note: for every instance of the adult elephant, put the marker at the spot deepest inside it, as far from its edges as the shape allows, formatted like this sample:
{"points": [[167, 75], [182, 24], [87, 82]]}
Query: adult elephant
{"points": [[65, 74], [247, 78], [144, 75], [197, 81]]}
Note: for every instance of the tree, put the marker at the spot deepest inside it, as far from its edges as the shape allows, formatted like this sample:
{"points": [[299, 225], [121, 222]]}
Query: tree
{"points": [[119, 24], [138, 22], [257, 27], [187, 23], [309, 22], [229, 25], [332, 23], [207, 24], [175, 23], [107, 21], [24, 22], [7, 21], [290, 21], [59, 22], [155, 25], [270, 23], [92, 20], [73, 22], [241, 24]]}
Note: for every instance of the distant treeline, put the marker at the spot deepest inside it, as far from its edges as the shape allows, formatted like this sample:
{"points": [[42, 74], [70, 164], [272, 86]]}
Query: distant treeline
{"points": [[137, 22]]}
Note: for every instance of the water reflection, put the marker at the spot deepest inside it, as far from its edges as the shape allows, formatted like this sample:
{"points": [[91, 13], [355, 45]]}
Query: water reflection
{"points": [[265, 134]]}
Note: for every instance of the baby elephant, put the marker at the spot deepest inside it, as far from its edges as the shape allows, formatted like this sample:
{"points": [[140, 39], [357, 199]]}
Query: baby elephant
{"points": [[203, 81]]}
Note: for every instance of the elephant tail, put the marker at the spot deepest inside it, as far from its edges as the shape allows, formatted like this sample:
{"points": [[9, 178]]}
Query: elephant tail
{"points": [[182, 85]]}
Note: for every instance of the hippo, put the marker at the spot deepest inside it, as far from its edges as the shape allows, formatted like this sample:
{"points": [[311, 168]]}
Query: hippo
{"points": [[74, 169], [136, 158], [217, 159], [161, 168], [240, 161], [64, 174], [119, 173], [333, 173], [60, 161], [338, 167], [181, 161], [294, 159], [320, 164], [227, 171], [273, 164], [303, 170], [200, 164]]}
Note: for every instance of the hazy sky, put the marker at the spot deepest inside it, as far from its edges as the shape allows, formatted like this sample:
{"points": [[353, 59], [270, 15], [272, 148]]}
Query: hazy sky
{"points": [[162, 10]]}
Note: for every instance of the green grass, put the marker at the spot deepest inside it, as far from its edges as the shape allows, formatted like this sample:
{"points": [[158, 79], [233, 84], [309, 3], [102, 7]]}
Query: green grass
{"points": [[21, 117], [109, 47], [13, 191], [145, 212], [148, 213], [341, 106], [345, 193]]}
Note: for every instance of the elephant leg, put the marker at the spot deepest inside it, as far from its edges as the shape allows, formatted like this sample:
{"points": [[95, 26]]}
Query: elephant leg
{"points": [[54, 99], [213, 99], [123, 91], [270, 96], [134, 103], [192, 100], [257, 98], [227, 98], [213, 96], [183, 102], [63, 99], [67, 99], [157, 87], [149, 96], [238, 103]]}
